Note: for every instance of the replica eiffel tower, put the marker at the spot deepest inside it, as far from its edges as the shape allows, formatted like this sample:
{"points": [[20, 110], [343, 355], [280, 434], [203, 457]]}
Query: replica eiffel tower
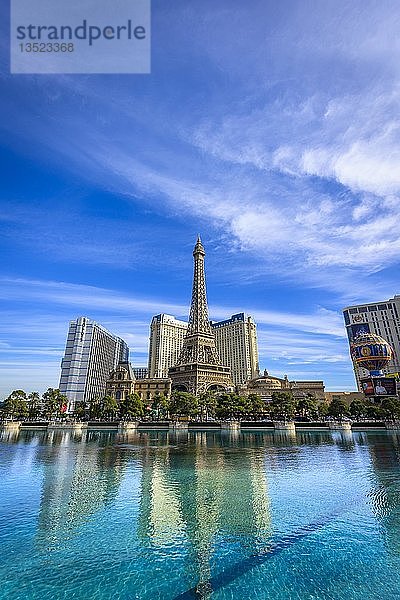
{"points": [[199, 367]]}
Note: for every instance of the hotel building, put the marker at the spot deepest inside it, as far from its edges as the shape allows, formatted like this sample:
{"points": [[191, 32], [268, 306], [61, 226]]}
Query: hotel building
{"points": [[381, 318], [265, 385], [91, 352], [166, 339], [122, 382], [236, 342], [141, 372]]}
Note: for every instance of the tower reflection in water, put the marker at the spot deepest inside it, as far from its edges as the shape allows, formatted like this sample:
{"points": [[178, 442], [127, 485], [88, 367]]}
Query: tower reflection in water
{"points": [[198, 492]]}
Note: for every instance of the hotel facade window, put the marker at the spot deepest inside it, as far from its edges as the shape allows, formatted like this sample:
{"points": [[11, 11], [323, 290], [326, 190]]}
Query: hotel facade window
{"points": [[379, 318], [235, 338], [91, 352]]}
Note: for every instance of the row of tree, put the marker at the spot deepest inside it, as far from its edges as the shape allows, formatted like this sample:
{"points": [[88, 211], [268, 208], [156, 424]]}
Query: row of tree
{"points": [[52, 404], [20, 405]]}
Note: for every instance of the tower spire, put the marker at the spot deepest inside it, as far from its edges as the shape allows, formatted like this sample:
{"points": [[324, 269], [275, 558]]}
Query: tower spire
{"points": [[199, 365], [198, 317]]}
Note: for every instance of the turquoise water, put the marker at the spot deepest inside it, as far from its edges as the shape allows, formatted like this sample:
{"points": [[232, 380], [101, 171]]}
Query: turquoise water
{"points": [[200, 515]]}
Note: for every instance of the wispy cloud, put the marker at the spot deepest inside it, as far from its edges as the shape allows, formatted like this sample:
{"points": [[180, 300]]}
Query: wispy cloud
{"points": [[253, 177], [278, 138], [284, 338], [101, 299]]}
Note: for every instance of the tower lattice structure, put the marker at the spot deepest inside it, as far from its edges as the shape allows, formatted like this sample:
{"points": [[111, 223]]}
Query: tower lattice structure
{"points": [[199, 367]]}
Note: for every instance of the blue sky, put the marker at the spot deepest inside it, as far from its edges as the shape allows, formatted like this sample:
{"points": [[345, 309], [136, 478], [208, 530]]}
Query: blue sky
{"points": [[270, 128]]}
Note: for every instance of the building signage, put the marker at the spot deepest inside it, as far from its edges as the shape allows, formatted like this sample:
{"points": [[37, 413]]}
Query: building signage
{"points": [[381, 386], [358, 318]]}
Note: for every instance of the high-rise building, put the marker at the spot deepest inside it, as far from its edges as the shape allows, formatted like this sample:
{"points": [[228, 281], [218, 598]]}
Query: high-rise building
{"points": [[166, 340], [381, 318], [199, 368], [236, 340], [140, 372], [91, 353]]}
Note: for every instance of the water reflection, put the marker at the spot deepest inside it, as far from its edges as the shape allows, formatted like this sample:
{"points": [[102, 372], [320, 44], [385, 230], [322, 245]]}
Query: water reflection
{"points": [[79, 478], [203, 498], [193, 492], [385, 494]]}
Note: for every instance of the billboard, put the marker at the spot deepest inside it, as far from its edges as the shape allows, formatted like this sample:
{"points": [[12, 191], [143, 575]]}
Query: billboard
{"points": [[380, 386], [367, 387]]}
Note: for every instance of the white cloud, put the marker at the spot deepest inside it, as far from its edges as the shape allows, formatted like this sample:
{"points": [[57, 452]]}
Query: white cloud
{"points": [[100, 299], [234, 182], [82, 296], [353, 140], [367, 165], [35, 334]]}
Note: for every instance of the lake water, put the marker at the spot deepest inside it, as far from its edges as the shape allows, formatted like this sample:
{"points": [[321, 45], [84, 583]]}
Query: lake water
{"points": [[200, 515]]}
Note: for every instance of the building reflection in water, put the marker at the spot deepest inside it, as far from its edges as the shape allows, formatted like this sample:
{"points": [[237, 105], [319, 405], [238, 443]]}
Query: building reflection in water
{"points": [[80, 478], [385, 495], [199, 492], [192, 493], [195, 489]]}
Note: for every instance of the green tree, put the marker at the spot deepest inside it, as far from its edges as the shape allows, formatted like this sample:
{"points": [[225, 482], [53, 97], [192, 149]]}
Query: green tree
{"points": [[160, 405], [357, 408], [15, 405], [243, 406], [283, 405], [338, 409], [207, 405], [256, 408], [55, 403], [109, 407], [308, 407], [374, 411], [390, 407], [183, 404], [131, 407], [34, 405], [95, 408], [227, 405], [232, 405], [323, 410], [80, 410]]}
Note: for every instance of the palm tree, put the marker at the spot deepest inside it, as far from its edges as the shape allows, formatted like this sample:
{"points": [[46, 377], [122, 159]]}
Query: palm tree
{"points": [[55, 403]]}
